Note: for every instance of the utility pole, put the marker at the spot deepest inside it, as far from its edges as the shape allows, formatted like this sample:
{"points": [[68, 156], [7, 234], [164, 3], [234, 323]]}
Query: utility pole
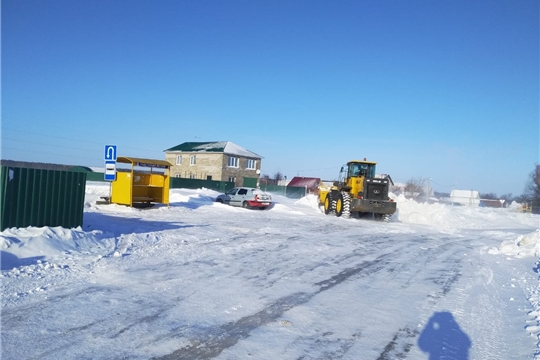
{"points": [[427, 192]]}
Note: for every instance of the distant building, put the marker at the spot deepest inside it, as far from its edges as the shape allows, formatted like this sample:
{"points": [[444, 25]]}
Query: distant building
{"points": [[217, 160], [309, 183], [465, 197], [494, 203]]}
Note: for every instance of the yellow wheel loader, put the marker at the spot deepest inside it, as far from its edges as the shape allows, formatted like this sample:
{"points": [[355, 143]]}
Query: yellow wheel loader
{"points": [[359, 192]]}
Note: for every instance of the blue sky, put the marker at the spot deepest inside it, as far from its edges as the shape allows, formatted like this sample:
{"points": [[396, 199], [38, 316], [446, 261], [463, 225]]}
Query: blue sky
{"points": [[442, 89]]}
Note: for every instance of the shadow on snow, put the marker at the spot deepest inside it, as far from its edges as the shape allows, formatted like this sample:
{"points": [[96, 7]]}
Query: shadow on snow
{"points": [[442, 338], [9, 261], [121, 225]]}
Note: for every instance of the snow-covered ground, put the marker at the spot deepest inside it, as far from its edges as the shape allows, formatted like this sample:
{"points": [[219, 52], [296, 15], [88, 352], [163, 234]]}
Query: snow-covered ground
{"points": [[200, 280]]}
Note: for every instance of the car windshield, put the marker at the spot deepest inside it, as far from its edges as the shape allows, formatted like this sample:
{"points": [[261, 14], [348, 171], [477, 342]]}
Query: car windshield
{"points": [[232, 191]]}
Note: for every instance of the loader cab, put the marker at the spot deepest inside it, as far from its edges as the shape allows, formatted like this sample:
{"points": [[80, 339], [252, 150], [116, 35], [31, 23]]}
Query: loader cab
{"points": [[361, 168]]}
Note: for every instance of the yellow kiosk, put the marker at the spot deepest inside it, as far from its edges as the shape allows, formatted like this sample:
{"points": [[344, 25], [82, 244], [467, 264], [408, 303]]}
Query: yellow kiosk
{"points": [[148, 182]]}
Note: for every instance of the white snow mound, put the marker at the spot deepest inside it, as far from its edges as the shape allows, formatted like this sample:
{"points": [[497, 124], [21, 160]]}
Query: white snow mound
{"points": [[523, 246]]}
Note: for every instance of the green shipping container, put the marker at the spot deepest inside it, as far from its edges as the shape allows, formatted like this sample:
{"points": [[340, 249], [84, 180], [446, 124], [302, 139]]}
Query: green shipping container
{"points": [[38, 197]]}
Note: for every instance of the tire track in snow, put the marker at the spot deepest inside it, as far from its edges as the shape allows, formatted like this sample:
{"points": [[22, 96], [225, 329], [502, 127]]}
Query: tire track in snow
{"points": [[400, 345], [216, 340], [227, 335], [405, 338], [326, 347]]}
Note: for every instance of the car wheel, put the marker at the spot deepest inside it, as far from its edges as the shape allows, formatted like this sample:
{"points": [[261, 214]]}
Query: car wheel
{"points": [[245, 205], [219, 201], [262, 207]]}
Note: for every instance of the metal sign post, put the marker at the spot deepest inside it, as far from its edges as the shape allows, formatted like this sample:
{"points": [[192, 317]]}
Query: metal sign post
{"points": [[110, 166]]}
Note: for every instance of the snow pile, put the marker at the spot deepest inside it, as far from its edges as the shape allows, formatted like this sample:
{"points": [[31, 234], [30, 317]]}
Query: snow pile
{"points": [[410, 211], [446, 218], [523, 246], [515, 205], [309, 200], [454, 218], [48, 243], [193, 198]]}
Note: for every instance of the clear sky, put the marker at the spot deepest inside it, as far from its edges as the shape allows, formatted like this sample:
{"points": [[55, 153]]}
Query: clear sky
{"points": [[447, 90]]}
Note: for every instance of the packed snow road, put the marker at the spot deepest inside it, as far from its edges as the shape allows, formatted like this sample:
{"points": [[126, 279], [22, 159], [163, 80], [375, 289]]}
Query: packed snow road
{"points": [[202, 280]]}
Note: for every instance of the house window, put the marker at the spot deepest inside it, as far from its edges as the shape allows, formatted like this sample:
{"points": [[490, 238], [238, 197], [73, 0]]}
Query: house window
{"points": [[177, 175], [232, 179], [250, 164], [192, 176], [192, 160], [179, 160], [232, 162]]}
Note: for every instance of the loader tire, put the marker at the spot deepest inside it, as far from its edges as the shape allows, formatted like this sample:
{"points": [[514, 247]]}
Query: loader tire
{"points": [[346, 206], [339, 204], [334, 201], [329, 204]]}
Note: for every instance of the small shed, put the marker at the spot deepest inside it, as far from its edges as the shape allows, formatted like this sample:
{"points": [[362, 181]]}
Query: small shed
{"points": [[146, 182], [465, 197], [309, 185]]}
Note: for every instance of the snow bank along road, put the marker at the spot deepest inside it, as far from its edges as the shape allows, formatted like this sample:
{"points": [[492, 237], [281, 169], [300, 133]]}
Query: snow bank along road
{"points": [[203, 280]]}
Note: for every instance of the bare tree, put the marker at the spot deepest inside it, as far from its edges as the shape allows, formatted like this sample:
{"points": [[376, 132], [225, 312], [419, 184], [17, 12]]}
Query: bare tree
{"points": [[414, 187], [490, 196], [274, 180], [278, 176], [532, 189]]}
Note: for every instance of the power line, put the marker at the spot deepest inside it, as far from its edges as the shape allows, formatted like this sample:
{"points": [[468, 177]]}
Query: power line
{"points": [[48, 153], [443, 185], [65, 138], [311, 170], [44, 144], [53, 136]]}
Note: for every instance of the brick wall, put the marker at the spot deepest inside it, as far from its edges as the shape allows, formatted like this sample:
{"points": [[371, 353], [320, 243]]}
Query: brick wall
{"points": [[211, 164]]}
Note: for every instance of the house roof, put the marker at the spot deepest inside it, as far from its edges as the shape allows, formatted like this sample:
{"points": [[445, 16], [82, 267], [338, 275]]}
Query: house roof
{"points": [[308, 182], [225, 147]]}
